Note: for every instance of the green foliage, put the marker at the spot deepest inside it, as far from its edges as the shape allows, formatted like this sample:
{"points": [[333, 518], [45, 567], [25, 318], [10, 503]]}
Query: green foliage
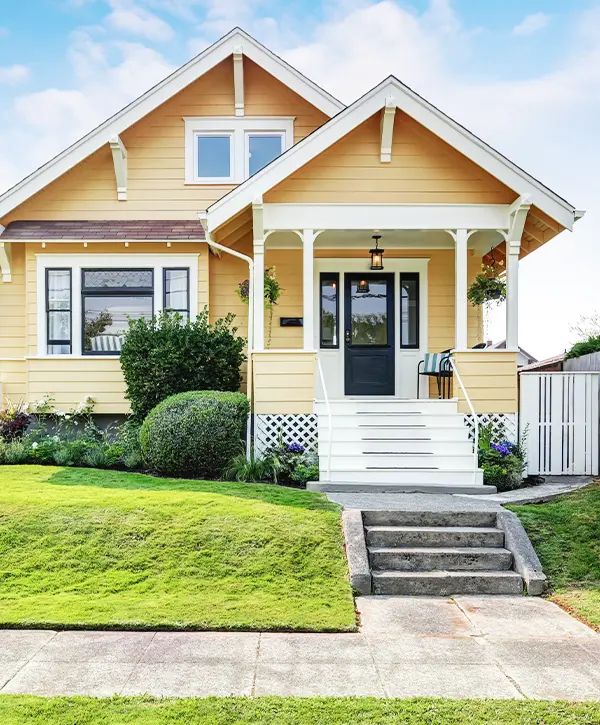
{"points": [[95, 326], [273, 292], [14, 421], [502, 461], [286, 463], [487, 286], [167, 355], [104, 549], [15, 452], [255, 470], [585, 347], [195, 433]]}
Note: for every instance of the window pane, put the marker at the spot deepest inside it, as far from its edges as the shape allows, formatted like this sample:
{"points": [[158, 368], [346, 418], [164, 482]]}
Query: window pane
{"points": [[59, 349], [409, 310], [59, 289], [329, 311], [176, 289], [369, 313], [117, 279], [263, 149], [214, 156], [59, 326], [106, 319]]}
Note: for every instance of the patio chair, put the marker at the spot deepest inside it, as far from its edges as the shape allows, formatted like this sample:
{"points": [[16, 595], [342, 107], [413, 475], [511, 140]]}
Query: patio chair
{"points": [[436, 365], [106, 343]]}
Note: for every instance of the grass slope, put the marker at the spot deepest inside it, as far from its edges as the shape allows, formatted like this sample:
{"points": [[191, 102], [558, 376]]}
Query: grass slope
{"points": [[18, 710], [566, 535], [90, 548]]}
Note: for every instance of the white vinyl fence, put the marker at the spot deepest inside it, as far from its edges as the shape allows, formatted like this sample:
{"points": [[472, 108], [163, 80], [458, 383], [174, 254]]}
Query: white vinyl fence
{"points": [[559, 411]]}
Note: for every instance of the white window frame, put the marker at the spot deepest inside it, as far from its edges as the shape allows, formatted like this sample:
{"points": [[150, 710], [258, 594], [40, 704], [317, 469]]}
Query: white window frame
{"points": [[77, 262], [215, 179], [247, 134], [239, 128]]}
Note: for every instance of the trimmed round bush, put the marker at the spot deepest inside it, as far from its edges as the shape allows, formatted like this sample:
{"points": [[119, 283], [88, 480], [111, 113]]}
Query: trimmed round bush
{"points": [[195, 433]]}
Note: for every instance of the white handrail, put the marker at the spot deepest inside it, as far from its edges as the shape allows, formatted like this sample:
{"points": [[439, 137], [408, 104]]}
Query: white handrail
{"points": [[329, 420], [473, 413]]}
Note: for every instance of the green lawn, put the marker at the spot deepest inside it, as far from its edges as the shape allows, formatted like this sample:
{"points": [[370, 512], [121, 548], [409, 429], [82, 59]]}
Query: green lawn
{"points": [[566, 535], [99, 549], [18, 710]]}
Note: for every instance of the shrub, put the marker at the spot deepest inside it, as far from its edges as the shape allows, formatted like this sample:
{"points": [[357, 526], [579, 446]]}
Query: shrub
{"points": [[585, 347], [286, 463], [166, 355], [14, 421], [195, 433]]}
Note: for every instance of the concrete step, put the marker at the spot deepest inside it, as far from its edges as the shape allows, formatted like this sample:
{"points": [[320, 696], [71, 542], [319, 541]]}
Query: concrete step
{"points": [[351, 431], [440, 559], [376, 474], [433, 536], [400, 461], [361, 404], [381, 418], [395, 446], [430, 518], [446, 583], [390, 487]]}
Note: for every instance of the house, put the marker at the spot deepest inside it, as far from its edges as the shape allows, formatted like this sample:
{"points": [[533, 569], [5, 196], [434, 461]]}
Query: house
{"points": [[237, 162], [549, 365], [523, 357]]}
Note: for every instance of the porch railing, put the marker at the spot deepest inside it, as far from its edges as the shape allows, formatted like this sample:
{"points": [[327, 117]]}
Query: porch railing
{"points": [[329, 418], [475, 418]]}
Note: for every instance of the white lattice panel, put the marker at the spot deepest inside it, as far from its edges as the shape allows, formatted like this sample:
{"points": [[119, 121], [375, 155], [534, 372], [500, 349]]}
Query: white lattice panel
{"points": [[504, 425], [269, 429]]}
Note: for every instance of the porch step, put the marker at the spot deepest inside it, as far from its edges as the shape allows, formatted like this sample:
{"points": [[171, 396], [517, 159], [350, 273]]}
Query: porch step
{"points": [[358, 487], [370, 460], [440, 559], [433, 536], [415, 477], [446, 583], [379, 418], [396, 447], [351, 432], [348, 406]]}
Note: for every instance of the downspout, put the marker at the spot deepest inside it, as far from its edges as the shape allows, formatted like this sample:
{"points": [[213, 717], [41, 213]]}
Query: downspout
{"points": [[203, 218]]}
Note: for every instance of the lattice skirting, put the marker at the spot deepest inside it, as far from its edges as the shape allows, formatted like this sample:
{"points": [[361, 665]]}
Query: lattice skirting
{"points": [[293, 428], [505, 425]]}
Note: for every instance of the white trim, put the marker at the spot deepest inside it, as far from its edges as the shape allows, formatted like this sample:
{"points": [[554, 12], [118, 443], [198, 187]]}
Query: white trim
{"points": [[460, 289], [119, 154], [387, 129], [238, 80], [308, 289], [289, 217], [424, 113], [238, 130], [284, 136], [5, 259], [161, 93], [258, 249], [127, 261]]}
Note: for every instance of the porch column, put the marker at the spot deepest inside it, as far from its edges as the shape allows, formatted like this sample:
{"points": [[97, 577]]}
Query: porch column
{"points": [[513, 249], [308, 245], [259, 276], [460, 263]]}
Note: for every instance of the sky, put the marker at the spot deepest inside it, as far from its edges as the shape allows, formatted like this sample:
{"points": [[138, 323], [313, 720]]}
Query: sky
{"points": [[522, 74]]}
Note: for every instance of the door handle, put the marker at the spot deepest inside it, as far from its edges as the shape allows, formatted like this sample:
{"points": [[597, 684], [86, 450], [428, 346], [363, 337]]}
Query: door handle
{"points": [[347, 337]]}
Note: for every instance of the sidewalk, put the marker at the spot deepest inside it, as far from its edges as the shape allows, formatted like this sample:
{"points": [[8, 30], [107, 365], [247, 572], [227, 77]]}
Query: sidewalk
{"points": [[501, 647]]}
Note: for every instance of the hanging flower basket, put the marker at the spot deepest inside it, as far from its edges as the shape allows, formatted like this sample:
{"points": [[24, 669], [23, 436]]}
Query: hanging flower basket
{"points": [[488, 286], [272, 294]]}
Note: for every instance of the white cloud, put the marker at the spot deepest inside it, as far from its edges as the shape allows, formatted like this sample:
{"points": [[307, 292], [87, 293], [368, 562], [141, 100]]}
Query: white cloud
{"points": [[532, 24], [136, 20], [13, 74]]}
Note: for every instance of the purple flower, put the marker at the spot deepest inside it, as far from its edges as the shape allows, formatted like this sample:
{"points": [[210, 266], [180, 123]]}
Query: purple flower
{"points": [[505, 449], [295, 448]]}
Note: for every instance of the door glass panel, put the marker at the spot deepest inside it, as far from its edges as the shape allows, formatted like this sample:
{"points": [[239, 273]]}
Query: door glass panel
{"points": [[368, 312], [409, 310]]}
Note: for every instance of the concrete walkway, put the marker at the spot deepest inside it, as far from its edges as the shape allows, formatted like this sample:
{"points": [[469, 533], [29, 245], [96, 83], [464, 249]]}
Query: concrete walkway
{"points": [[501, 647]]}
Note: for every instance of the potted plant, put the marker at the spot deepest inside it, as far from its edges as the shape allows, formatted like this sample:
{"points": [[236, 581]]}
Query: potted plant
{"points": [[272, 293], [488, 286]]}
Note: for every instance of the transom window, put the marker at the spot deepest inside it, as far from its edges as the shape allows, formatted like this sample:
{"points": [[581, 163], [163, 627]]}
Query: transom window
{"points": [[228, 150], [85, 307]]}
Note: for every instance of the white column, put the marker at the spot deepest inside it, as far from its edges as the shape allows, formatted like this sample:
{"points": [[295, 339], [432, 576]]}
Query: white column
{"points": [[460, 263], [513, 249], [308, 244], [259, 294]]}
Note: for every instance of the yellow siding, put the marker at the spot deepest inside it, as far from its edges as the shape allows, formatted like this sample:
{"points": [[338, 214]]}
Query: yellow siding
{"points": [[155, 154], [12, 307], [490, 378], [13, 380], [284, 382], [424, 169]]}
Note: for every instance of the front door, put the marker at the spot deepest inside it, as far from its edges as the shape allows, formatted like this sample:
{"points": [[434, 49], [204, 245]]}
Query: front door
{"points": [[369, 333]]}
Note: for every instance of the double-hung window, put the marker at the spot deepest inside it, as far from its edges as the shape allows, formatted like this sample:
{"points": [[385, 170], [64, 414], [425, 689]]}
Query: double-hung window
{"points": [[228, 150], [176, 290], [110, 298], [58, 311]]}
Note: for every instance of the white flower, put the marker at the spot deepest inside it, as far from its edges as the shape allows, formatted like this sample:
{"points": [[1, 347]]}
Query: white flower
{"points": [[34, 445], [41, 403], [68, 416], [26, 407], [75, 422], [60, 414]]}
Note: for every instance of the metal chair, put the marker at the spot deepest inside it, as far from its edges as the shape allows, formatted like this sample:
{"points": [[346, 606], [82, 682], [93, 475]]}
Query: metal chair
{"points": [[436, 365]]}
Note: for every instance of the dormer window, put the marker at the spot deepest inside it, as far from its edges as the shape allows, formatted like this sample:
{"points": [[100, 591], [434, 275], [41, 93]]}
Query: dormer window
{"points": [[230, 150]]}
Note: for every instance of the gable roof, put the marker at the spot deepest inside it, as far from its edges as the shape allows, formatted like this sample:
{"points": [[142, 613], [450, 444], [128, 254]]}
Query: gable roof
{"points": [[162, 92], [391, 90]]}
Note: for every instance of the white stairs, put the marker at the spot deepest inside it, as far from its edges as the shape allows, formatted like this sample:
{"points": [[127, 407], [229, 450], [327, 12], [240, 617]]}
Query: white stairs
{"points": [[389, 445]]}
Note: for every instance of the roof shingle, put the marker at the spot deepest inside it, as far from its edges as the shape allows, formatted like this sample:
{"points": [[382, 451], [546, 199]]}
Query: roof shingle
{"points": [[144, 229]]}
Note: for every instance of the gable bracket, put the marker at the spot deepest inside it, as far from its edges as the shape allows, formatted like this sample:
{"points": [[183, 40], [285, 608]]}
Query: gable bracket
{"points": [[238, 79], [517, 215], [388, 113], [5, 257], [119, 154]]}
